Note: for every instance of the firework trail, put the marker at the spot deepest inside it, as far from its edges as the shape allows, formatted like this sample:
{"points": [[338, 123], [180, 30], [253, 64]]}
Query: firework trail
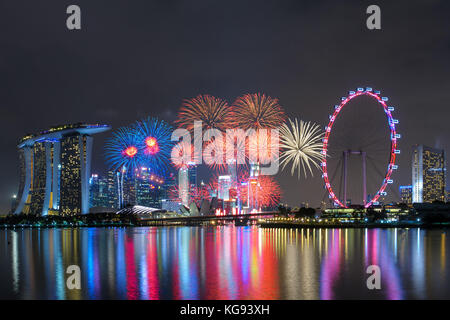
{"points": [[301, 143]]}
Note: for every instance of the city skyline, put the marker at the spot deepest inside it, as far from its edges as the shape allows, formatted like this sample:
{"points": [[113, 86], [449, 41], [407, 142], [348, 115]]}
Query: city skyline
{"points": [[307, 84], [225, 152]]}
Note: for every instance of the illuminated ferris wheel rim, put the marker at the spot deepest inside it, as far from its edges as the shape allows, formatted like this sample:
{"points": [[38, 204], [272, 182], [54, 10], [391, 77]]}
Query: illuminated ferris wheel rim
{"points": [[394, 136]]}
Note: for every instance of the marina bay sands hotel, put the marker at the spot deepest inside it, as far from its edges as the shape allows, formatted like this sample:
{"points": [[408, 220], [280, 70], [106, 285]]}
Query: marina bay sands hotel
{"points": [[55, 166]]}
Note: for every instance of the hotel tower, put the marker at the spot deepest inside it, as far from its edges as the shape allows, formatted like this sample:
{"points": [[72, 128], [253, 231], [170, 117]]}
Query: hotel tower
{"points": [[55, 167]]}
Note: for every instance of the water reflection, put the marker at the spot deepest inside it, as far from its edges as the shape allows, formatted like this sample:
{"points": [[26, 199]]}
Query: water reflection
{"points": [[224, 263]]}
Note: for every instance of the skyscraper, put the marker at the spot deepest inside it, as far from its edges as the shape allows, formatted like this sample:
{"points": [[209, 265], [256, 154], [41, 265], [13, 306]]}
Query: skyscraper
{"points": [[149, 188], [112, 189], [55, 168], [192, 167], [224, 186], [406, 194], [183, 185], [99, 193], [428, 174], [94, 191]]}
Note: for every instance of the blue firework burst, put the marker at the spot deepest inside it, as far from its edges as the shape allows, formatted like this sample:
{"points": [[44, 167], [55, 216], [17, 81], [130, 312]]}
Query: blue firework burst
{"points": [[155, 145], [122, 149]]}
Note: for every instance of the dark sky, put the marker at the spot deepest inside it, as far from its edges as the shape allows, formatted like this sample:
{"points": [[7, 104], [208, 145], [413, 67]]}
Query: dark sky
{"points": [[138, 58]]}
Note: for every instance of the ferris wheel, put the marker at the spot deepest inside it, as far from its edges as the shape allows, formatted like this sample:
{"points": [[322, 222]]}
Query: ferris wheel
{"points": [[340, 199]]}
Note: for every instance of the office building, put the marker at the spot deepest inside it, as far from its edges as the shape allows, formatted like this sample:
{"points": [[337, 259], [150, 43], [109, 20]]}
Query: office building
{"points": [[428, 174], [406, 194]]}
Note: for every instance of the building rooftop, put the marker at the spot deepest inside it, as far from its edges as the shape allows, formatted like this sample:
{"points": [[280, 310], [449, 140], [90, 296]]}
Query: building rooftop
{"points": [[56, 132]]}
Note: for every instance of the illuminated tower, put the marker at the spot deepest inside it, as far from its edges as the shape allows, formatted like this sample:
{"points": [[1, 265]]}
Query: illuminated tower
{"points": [[94, 191], [55, 169], [192, 167], [224, 186], [112, 190], [183, 185], [428, 174], [253, 187]]}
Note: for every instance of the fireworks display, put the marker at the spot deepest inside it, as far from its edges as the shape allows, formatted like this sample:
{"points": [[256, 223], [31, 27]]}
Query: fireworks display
{"points": [[264, 191], [301, 143], [196, 194], [213, 112], [122, 149], [257, 111], [154, 144], [148, 143], [232, 147]]}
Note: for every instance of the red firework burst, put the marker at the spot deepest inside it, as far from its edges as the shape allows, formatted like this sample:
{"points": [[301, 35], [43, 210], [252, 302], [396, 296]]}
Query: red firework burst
{"points": [[231, 148], [266, 191], [183, 154], [197, 194]]}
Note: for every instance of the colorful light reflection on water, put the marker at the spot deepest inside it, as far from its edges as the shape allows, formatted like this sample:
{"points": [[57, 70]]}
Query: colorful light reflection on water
{"points": [[224, 263]]}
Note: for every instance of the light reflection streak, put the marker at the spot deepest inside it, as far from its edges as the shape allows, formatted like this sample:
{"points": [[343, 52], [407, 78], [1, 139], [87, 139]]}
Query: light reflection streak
{"points": [[226, 262]]}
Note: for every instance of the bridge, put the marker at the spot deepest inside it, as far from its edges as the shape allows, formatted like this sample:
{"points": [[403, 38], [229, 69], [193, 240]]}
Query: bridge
{"points": [[239, 219]]}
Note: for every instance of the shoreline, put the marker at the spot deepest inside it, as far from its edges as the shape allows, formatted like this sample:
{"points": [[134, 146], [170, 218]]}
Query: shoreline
{"points": [[403, 225], [265, 225]]}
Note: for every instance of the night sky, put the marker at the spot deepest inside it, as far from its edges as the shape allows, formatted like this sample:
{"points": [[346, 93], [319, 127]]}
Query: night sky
{"points": [[141, 58]]}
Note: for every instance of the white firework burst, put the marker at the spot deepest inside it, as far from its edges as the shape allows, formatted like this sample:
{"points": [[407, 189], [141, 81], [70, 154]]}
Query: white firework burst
{"points": [[301, 143]]}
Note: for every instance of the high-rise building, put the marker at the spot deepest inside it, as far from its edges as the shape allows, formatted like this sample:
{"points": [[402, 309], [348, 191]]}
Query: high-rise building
{"points": [[149, 188], [55, 168], [141, 187], [14, 203], [99, 193], [112, 189], [406, 194], [94, 190], [183, 185], [224, 186], [428, 174], [192, 167]]}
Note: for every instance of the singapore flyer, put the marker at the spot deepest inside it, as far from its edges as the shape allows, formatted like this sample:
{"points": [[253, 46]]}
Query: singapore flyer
{"points": [[363, 151]]}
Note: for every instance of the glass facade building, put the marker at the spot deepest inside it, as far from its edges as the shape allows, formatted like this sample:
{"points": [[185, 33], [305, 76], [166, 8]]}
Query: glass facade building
{"points": [[428, 174], [55, 168], [406, 194]]}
